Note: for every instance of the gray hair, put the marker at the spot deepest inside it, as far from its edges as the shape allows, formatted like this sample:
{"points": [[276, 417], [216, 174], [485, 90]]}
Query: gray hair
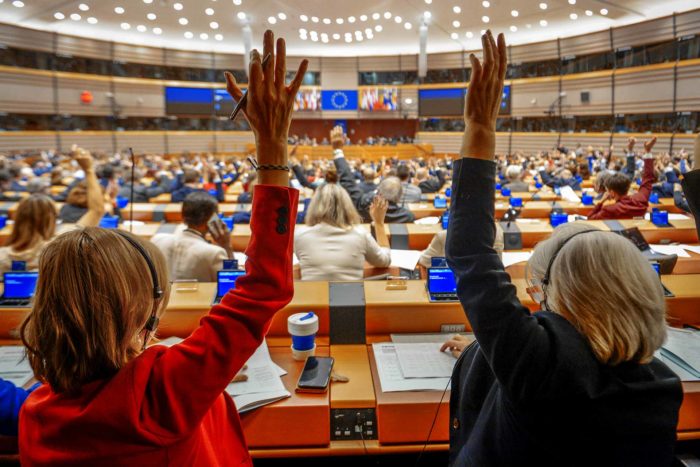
{"points": [[391, 189], [513, 172]]}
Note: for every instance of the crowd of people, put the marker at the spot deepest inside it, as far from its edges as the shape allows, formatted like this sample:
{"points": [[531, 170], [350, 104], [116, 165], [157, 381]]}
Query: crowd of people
{"points": [[585, 364]]}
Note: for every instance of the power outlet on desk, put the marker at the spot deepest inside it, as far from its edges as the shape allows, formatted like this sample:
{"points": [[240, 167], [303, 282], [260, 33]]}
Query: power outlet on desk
{"points": [[451, 328], [353, 424]]}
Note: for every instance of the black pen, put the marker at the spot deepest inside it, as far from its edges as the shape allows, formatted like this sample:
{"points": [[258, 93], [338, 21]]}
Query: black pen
{"points": [[242, 102]]}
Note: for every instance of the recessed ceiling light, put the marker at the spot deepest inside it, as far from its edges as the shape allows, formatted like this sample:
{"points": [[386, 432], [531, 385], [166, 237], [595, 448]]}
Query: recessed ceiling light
{"points": [[314, 38], [18, 4], [148, 1], [603, 11], [151, 16], [427, 15], [408, 101], [543, 6], [183, 21], [387, 15], [348, 39], [302, 31], [177, 6], [573, 16], [157, 31], [141, 28], [375, 16], [209, 11], [368, 30], [282, 16], [589, 13], [314, 19], [83, 7], [428, 2], [469, 34], [456, 9], [378, 28], [514, 13], [407, 25], [485, 19], [363, 18], [214, 25], [543, 22], [219, 37], [75, 17], [125, 26], [271, 19], [456, 24], [454, 35], [486, 4], [188, 35], [119, 10], [241, 15], [324, 38], [398, 19], [304, 18], [237, 2], [92, 20], [513, 29], [336, 36], [204, 36], [58, 15], [483, 31], [351, 19], [572, 2]]}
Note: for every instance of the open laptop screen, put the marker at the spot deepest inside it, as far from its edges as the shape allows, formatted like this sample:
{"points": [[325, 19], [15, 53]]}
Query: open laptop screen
{"points": [[20, 284], [441, 281], [226, 280]]}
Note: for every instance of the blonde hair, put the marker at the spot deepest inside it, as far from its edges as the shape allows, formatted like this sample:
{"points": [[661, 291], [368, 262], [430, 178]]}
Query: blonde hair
{"points": [[93, 299], [35, 222], [332, 205], [609, 292]]}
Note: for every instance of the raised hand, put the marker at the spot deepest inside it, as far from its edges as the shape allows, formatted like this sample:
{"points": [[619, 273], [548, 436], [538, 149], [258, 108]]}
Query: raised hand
{"points": [[269, 105], [337, 137], [82, 157], [484, 99], [649, 145], [377, 210], [630, 144]]}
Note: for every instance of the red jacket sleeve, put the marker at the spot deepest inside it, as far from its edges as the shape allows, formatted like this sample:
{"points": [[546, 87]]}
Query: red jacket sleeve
{"points": [[647, 182], [187, 378]]}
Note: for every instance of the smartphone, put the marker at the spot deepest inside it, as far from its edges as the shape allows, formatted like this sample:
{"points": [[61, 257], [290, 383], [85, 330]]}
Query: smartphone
{"points": [[316, 375], [216, 225], [19, 265], [230, 264]]}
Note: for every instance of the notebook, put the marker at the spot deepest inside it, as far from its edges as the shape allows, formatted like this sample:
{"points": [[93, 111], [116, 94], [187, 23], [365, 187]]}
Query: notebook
{"points": [[19, 289], [441, 284], [225, 281]]}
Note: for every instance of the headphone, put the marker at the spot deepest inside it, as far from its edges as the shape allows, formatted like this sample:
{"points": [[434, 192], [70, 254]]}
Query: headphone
{"points": [[153, 320]]}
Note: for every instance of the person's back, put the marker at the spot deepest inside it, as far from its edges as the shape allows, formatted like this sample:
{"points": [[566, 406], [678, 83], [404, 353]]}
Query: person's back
{"points": [[410, 193], [517, 186]]}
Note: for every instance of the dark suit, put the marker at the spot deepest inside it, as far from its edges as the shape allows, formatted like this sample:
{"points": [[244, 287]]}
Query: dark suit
{"points": [[433, 184], [558, 182], [142, 193], [530, 391], [691, 188]]}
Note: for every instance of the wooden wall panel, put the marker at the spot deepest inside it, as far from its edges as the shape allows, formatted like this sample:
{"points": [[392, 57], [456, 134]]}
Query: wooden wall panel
{"points": [[69, 90], [585, 45], [26, 93], [533, 98], [339, 73], [82, 47], [138, 99], [192, 141], [141, 141], [600, 90], [379, 63], [596, 140], [448, 60], [95, 141], [27, 140], [688, 97], [138, 54], [25, 38], [233, 141], [688, 23], [648, 32], [533, 52], [644, 91], [188, 58]]}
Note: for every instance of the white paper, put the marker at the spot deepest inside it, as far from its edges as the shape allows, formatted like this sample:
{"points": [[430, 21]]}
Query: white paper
{"points": [[438, 338], [670, 250], [692, 248], [567, 194], [514, 257], [263, 375], [242, 258], [390, 377], [431, 220], [247, 402], [406, 259], [424, 361], [14, 367], [295, 259], [685, 345], [527, 221]]}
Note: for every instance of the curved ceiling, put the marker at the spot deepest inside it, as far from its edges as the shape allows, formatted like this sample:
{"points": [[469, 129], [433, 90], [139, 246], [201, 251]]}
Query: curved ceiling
{"points": [[330, 27]]}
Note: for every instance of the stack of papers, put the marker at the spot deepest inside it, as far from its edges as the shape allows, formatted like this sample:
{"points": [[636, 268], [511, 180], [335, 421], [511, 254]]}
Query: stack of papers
{"points": [[670, 250], [14, 367], [681, 353], [412, 367], [514, 257], [430, 220], [405, 259]]}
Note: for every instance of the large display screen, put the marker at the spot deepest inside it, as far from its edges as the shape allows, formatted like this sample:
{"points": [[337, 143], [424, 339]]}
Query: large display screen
{"points": [[449, 102], [339, 100], [379, 99]]}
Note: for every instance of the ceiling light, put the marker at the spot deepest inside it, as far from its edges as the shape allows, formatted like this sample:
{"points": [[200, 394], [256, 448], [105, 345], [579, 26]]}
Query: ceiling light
{"points": [[514, 13], [456, 24], [408, 101], [302, 31], [369, 30], [378, 28], [157, 31], [209, 11], [589, 13], [485, 19], [572, 2], [214, 25], [469, 34], [375, 16], [483, 31], [387, 15], [148, 1], [428, 2], [456, 9], [177, 6], [543, 22], [141, 28], [573, 16], [119, 10], [359, 38], [363, 18], [324, 35], [407, 25], [336, 36], [324, 39], [18, 4], [486, 4], [282, 16], [348, 39], [370, 35], [92, 20], [304, 18], [125, 26], [398, 19], [314, 38], [151, 16], [237, 2], [603, 11], [271, 20], [351, 19], [427, 15], [454, 35], [183, 21], [219, 37], [83, 7], [58, 15], [513, 29], [188, 35], [543, 6], [241, 15], [75, 17], [204, 36], [337, 20], [314, 19]]}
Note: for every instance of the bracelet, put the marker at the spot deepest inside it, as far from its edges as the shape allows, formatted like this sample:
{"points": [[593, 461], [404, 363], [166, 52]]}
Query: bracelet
{"points": [[257, 167]]}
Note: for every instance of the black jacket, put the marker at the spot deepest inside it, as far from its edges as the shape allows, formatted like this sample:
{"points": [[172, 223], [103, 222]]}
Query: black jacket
{"points": [[530, 391], [691, 189], [367, 187], [142, 193], [433, 184]]}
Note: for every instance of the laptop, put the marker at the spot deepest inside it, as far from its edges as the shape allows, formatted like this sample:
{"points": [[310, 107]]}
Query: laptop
{"points": [[442, 286], [666, 263], [657, 268], [19, 289], [225, 281], [438, 262]]}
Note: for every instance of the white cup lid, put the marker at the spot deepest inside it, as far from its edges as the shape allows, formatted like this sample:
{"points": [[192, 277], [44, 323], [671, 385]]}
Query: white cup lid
{"points": [[302, 324]]}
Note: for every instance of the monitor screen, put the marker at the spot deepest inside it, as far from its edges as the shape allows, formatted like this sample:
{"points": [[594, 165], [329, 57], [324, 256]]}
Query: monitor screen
{"points": [[189, 101], [226, 280], [441, 280], [20, 284], [657, 267], [449, 102]]}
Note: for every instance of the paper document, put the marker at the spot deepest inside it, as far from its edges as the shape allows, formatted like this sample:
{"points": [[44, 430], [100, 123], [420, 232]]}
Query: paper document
{"points": [[567, 193], [424, 361], [437, 338], [432, 220], [514, 257], [692, 248], [392, 380], [405, 259], [682, 347], [670, 250], [14, 367]]}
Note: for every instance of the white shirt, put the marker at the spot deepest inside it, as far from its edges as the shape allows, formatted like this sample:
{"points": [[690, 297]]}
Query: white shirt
{"points": [[189, 256], [328, 253]]}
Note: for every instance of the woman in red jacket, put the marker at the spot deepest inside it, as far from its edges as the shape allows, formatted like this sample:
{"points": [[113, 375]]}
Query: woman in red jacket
{"points": [[108, 401]]}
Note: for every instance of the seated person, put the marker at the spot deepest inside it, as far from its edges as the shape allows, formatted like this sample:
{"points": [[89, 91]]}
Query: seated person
{"points": [[335, 248], [143, 193], [565, 178], [691, 187], [77, 204], [11, 400], [679, 198], [367, 184], [109, 397], [514, 181], [410, 192], [428, 184], [585, 364], [247, 195], [189, 182], [6, 187], [436, 249], [622, 205], [39, 186], [188, 254]]}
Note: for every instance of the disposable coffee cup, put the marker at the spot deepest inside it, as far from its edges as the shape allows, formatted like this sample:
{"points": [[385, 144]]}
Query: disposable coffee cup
{"points": [[303, 328]]}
